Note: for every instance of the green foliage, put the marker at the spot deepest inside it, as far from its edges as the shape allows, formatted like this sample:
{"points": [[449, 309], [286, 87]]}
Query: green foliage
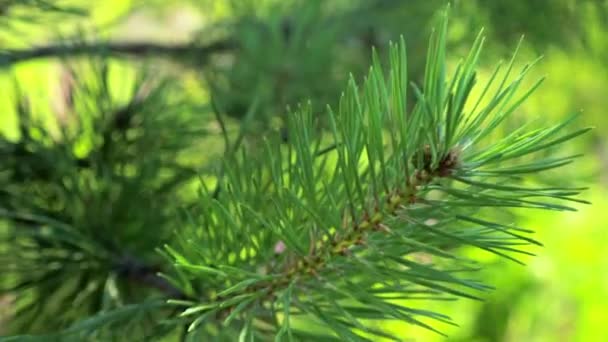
{"points": [[349, 220], [305, 50], [355, 220], [69, 195], [18, 15], [546, 22]]}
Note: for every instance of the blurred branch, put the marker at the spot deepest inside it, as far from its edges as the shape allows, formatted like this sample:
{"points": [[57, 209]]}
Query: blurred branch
{"points": [[139, 272], [128, 267], [10, 57]]}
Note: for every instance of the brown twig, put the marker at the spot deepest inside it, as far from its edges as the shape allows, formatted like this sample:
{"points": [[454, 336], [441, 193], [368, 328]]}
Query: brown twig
{"points": [[13, 56], [135, 270]]}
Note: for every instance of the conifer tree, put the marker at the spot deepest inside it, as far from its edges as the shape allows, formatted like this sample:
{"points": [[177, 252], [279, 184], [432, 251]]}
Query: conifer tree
{"points": [[114, 227]]}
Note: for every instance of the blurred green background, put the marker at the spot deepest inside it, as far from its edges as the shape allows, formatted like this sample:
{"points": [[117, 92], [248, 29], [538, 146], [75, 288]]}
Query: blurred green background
{"points": [[562, 293]]}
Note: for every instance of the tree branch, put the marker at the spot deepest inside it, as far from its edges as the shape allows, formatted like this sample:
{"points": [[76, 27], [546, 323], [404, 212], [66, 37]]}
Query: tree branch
{"points": [[10, 57], [354, 233], [139, 272]]}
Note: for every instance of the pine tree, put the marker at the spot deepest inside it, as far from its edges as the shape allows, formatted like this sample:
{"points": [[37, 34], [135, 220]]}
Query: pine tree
{"points": [[344, 217]]}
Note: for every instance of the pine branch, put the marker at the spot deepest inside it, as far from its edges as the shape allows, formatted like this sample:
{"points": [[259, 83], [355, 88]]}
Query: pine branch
{"points": [[340, 235], [352, 235], [11, 57], [337, 242], [74, 218], [201, 52], [130, 268]]}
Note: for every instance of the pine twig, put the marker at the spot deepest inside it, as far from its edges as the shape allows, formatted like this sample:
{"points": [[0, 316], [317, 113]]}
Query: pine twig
{"points": [[353, 233], [10, 57], [137, 271]]}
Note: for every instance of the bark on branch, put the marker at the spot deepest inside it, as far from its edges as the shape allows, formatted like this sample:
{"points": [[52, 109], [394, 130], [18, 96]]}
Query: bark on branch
{"points": [[10, 57]]}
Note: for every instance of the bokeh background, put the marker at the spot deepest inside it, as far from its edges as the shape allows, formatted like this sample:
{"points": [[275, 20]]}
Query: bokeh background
{"points": [[292, 51]]}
